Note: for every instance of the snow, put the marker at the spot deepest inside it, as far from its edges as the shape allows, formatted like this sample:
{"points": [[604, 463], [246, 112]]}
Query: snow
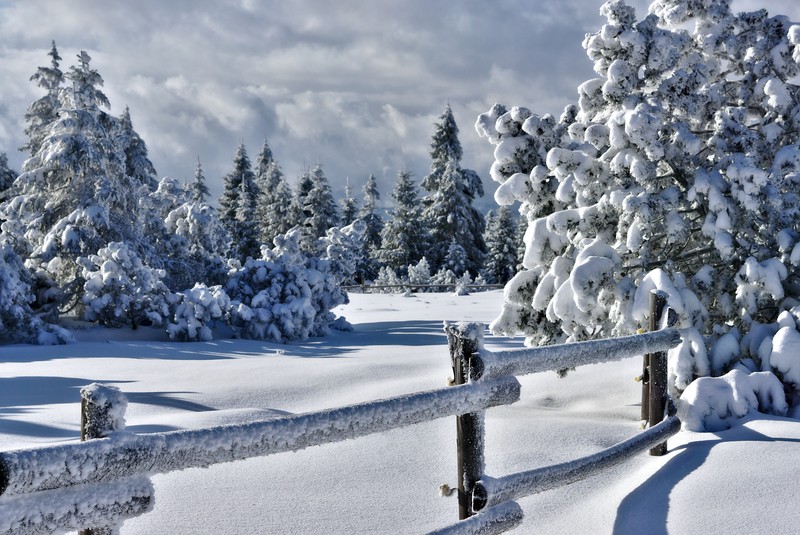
{"points": [[388, 482]]}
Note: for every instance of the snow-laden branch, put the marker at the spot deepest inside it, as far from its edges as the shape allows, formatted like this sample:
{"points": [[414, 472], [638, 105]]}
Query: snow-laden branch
{"points": [[558, 357], [493, 491], [123, 454]]}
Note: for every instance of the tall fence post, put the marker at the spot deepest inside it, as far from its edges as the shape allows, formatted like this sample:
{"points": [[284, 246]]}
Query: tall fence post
{"points": [[464, 340], [102, 412], [657, 371]]}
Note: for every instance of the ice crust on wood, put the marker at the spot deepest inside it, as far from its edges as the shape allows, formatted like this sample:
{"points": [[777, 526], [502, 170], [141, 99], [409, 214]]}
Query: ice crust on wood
{"points": [[123, 454], [556, 357]]}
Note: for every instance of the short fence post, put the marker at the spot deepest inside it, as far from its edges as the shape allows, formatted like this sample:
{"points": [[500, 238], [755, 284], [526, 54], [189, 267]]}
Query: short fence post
{"points": [[102, 412], [463, 340], [657, 371]]}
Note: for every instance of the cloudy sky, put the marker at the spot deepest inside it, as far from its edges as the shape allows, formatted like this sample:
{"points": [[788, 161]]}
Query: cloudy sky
{"points": [[354, 85]]}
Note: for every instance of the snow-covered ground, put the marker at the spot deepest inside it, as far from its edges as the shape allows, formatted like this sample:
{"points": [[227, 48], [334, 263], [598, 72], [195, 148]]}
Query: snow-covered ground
{"points": [[742, 480]]}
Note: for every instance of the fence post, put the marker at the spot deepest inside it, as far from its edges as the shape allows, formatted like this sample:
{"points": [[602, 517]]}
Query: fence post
{"points": [[657, 371], [102, 412], [464, 340]]}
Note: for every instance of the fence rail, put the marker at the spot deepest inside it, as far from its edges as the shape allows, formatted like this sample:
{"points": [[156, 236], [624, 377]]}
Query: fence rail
{"points": [[483, 379]]}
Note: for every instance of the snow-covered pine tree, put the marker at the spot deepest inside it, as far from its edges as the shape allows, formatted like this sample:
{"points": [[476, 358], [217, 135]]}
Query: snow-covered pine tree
{"points": [[7, 175], [198, 239], [677, 169], [246, 230], [232, 187], [44, 111], [371, 240], [320, 211], [73, 196], [274, 204], [299, 211], [448, 209], [137, 162], [501, 241], [200, 192], [349, 205], [456, 259], [404, 237]]}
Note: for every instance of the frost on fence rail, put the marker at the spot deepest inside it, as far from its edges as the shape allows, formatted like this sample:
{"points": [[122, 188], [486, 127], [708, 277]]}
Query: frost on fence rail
{"points": [[557, 357], [99, 505], [493, 491], [494, 520], [123, 454]]}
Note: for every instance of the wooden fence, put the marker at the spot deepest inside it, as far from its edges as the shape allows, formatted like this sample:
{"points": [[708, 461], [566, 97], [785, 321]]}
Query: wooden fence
{"points": [[48, 488]]}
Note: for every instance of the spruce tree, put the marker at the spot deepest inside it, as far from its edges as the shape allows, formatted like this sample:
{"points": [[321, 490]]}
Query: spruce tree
{"points": [[349, 205], [448, 209], [404, 237], [73, 196], [44, 111], [371, 240], [246, 231], [229, 200], [501, 241], [274, 202], [299, 211], [7, 175], [320, 211], [137, 163], [200, 191]]}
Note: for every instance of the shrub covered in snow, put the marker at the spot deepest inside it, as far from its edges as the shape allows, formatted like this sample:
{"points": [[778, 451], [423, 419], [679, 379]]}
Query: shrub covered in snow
{"points": [[121, 290], [18, 322], [193, 312], [287, 295], [677, 168]]}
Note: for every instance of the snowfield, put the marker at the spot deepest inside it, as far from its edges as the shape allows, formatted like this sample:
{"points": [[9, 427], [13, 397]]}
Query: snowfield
{"points": [[739, 480]]}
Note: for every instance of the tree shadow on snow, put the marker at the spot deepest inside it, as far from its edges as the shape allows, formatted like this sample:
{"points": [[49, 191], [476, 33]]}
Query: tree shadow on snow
{"points": [[646, 509]]}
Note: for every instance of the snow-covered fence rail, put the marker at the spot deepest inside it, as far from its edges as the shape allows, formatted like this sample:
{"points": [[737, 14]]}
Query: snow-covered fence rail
{"points": [[478, 494], [127, 454], [366, 288]]}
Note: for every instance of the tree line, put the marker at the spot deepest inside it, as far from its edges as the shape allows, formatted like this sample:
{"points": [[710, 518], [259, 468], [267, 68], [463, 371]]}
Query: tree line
{"points": [[87, 227]]}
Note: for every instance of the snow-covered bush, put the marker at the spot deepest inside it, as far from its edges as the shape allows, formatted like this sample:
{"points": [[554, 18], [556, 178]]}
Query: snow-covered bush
{"points": [[344, 247], [195, 228], [420, 273], [677, 169], [387, 277], [712, 403], [287, 295], [193, 312], [18, 322], [121, 290]]}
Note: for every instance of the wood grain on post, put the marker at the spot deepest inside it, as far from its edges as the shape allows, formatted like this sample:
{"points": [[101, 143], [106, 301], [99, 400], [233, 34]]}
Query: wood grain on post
{"points": [[469, 427], [657, 371]]}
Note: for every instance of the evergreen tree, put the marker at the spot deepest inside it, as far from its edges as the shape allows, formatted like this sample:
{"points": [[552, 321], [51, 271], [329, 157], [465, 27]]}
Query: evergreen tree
{"points": [[371, 240], [281, 216], [299, 211], [44, 111], [7, 176], [246, 237], [349, 205], [229, 200], [675, 170], [321, 210], [404, 237], [369, 214], [200, 191], [74, 196], [448, 208], [274, 203], [137, 163], [501, 241], [456, 259]]}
